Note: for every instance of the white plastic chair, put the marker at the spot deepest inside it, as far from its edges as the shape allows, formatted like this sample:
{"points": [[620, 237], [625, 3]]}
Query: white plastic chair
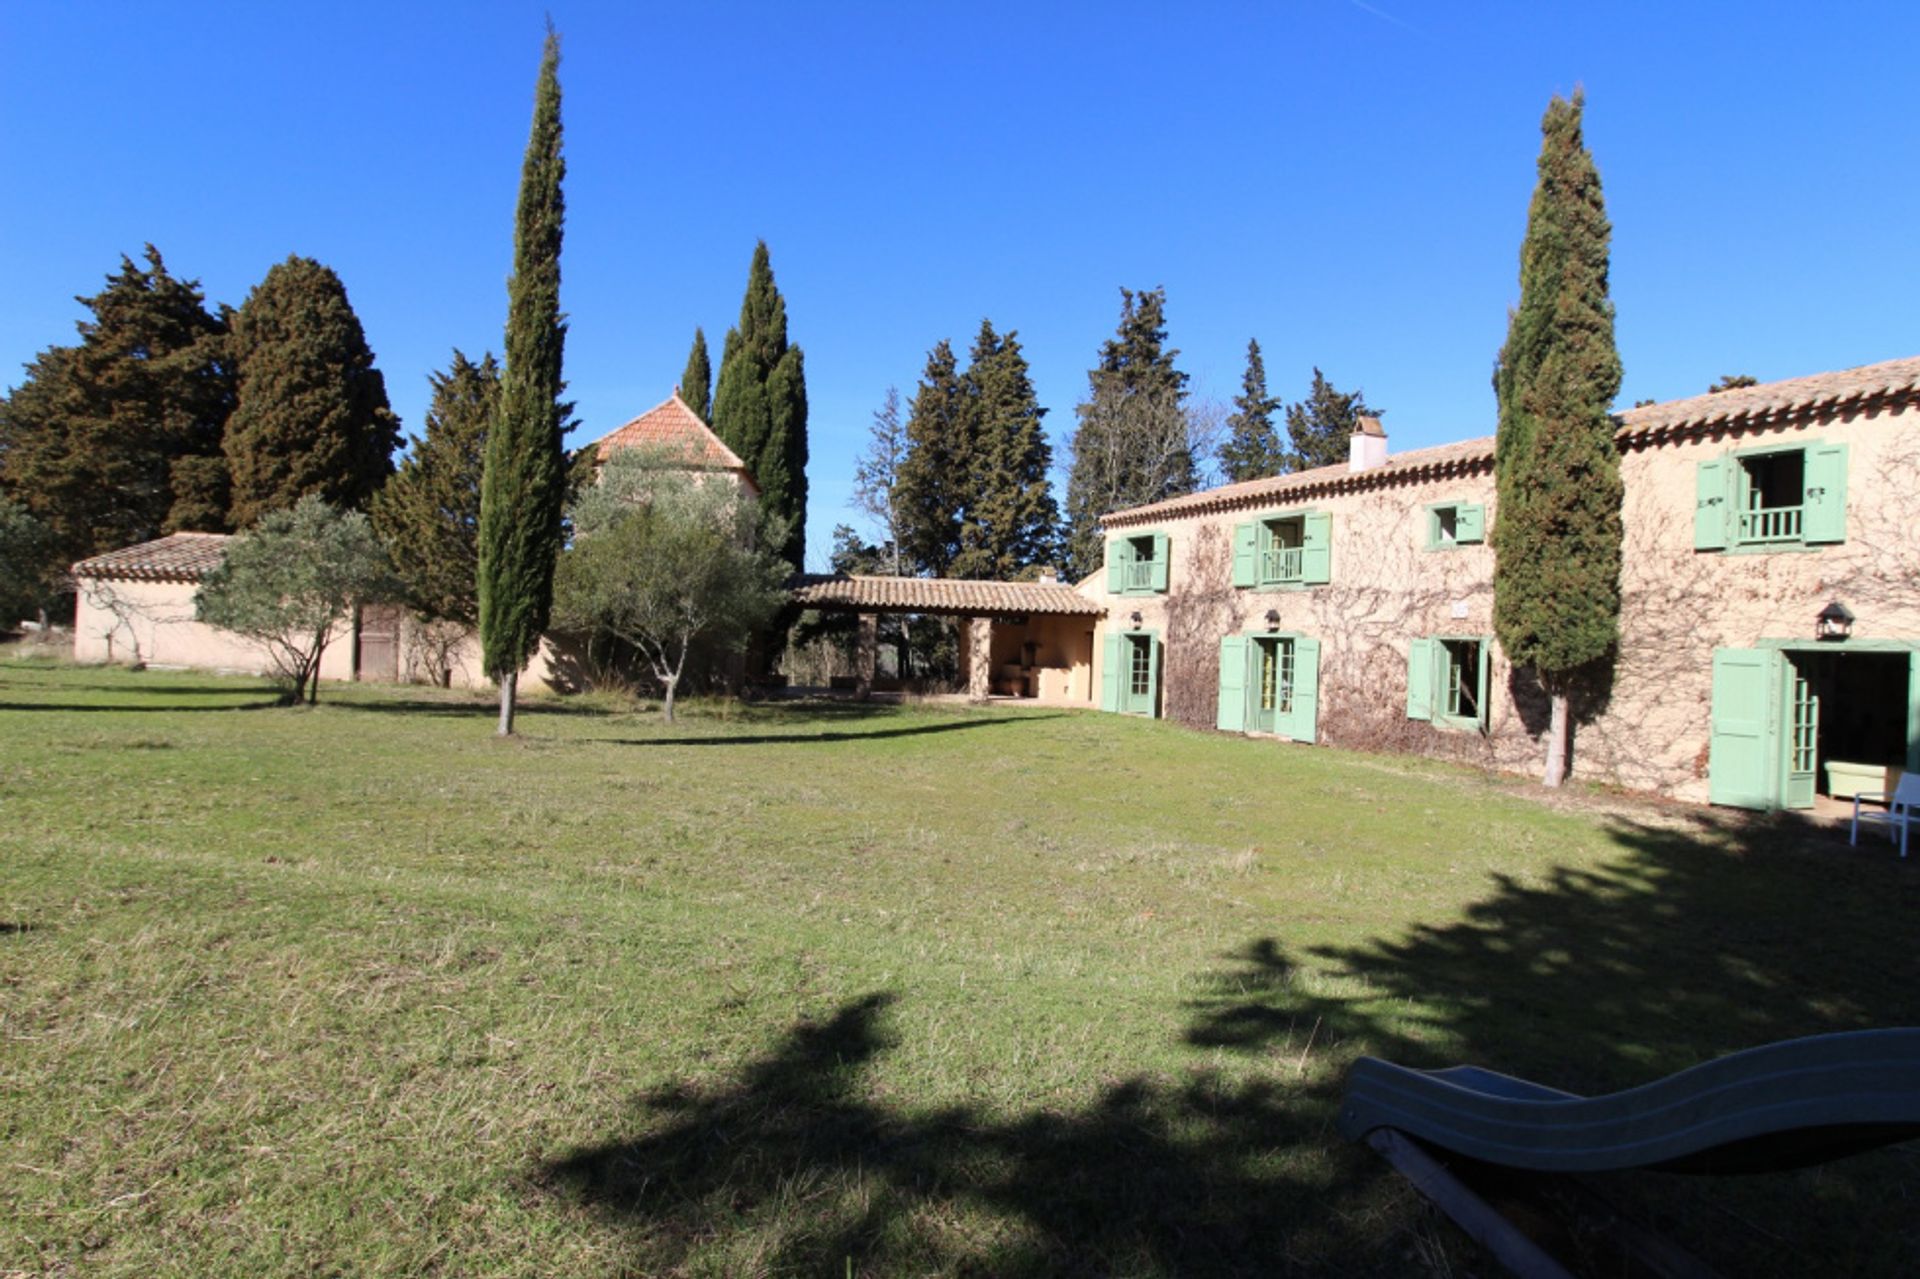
{"points": [[1901, 814]]}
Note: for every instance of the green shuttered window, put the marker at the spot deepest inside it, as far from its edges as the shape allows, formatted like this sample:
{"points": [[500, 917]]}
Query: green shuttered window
{"points": [[1449, 680], [1771, 499], [1137, 565], [1284, 550], [1451, 524]]}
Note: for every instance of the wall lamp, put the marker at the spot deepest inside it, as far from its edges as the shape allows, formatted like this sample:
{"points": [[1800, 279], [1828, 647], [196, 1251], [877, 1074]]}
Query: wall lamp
{"points": [[1834, 622]]}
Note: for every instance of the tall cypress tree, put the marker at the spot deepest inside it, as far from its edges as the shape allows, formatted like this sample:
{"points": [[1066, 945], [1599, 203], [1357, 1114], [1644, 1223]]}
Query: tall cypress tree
{"points": [[931, 493], [311, 413], [1132, 444], [1252, 450], [1320, 427], [1011, 521], [1556, 535], [428, 515], [117, 439], [696, 382], [760, 402], [525, 480]]}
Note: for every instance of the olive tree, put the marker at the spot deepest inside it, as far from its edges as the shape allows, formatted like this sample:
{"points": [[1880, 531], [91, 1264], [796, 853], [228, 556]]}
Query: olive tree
{"points": [[664, 560], [289, 582]]}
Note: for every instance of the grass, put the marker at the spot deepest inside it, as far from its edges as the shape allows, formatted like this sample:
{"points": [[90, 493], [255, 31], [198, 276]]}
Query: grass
{"points": [[830, 990]]}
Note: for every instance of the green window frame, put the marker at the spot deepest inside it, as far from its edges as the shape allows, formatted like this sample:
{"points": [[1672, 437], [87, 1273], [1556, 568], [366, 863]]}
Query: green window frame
{"points": [[1449, 680], [1130, 673], [1454, 524], [1270, 682], [1283, 550], [1774, 498], [1137, 564]]}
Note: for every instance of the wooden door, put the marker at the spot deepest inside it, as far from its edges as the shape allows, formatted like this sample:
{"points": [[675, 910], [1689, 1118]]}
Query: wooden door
{"points": [[377, 651]]}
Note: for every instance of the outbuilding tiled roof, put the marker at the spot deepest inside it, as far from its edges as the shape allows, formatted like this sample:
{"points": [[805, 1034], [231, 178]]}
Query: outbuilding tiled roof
{"points": [[178, 557], [1870, 385], [675, 431], [957, 596]]}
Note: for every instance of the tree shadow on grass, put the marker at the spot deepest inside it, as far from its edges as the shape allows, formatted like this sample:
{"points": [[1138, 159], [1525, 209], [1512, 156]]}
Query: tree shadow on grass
{"points": [[800, 1167], [124, 708], [801, 738]]}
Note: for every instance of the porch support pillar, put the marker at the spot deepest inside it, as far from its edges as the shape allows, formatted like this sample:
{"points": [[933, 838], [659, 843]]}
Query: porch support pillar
{"points": [[864, 647], [979, 657]]}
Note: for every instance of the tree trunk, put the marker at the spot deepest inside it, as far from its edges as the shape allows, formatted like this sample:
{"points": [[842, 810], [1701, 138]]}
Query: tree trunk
{"points": [[666, 703], [1557, 729], [509, 684]]}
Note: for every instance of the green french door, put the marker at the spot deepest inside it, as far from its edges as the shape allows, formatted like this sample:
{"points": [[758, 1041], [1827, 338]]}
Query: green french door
{"points": [[1269, 684], [1802, 721], [1744, 745]]}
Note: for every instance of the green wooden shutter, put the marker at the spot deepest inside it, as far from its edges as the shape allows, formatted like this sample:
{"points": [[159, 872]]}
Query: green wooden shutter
{"points": [[1486, 678], [1470, 523], [1110, 673], [1153, 675], [1711, 504], [1913, 711], [1119, 555], [1246, 555], [1743, 745], [1420, 679], [1316, 548], [1305, 718], [1232, 714], [1826, 494], [1160, 549]]}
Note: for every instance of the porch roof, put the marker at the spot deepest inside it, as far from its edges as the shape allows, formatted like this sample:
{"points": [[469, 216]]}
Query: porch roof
{"points": [[959, 597]]}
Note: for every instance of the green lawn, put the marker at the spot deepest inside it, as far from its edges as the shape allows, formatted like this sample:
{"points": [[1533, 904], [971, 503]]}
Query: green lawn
{"points": [[362, 990]]}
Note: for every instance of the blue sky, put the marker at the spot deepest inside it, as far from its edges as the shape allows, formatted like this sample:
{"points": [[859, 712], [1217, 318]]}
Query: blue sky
{"points": [[1345, 181]]}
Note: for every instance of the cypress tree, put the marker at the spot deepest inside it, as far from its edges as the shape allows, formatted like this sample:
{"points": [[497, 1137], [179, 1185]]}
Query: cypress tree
{"points": [[1556, 536], [1320, 427], [311, 413], [696, 382], [1252, 450], [524, 482], [930, 495], [1133, 443], [760, 402], [117, 439], [1011, 521], [428, 515]]}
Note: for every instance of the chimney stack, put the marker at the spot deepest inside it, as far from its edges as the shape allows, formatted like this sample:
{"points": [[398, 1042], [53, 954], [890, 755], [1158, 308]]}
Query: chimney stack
{"points": [[1368, 447]]}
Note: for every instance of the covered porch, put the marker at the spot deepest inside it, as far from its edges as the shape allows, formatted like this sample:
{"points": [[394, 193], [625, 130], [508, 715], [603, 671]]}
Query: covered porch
{"points": [[1031, 641]]}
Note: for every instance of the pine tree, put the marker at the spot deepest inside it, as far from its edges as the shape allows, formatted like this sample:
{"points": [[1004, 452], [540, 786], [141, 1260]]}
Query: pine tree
{"points": [[876, 475], [117, 439], [1010, 521], [524, 483], [1133, 443], [428, 515], [1733, 382], [696, 383], [310, 413], [931, 494], [760, 402], [1556, 536], [1320, 427], [1253, 449]]}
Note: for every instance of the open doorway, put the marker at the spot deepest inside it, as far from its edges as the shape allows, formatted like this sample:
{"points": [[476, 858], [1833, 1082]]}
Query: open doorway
{"points": [[1847, 723]]}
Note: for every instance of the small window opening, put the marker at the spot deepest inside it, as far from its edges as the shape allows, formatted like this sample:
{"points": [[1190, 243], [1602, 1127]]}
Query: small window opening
{"points": [[1773, 494]]}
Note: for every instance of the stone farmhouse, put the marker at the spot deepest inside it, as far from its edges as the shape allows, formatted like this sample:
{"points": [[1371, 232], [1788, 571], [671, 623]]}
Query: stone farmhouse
{"points": [[1770, 628]]}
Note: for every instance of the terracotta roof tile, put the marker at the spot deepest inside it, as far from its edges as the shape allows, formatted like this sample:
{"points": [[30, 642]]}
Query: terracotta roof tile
{"points": [[1772, 401], [178, 557], [1888, 382], [672, 428], [938, 595]]}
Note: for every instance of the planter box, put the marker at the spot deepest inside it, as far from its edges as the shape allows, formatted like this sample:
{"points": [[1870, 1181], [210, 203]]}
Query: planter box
{"points": [[1845, 780]]}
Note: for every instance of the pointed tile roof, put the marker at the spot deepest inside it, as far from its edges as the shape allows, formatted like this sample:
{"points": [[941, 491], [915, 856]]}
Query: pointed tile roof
{"points": [[676, 431]]}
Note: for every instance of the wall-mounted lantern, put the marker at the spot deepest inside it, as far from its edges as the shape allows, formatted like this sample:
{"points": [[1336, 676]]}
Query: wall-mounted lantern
{"points": [[1273, 619], [1136, 621], [1835, 622]]}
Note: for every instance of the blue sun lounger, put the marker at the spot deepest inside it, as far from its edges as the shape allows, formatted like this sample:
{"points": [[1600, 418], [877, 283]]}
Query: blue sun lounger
{"points": [[1784, 1105]]}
